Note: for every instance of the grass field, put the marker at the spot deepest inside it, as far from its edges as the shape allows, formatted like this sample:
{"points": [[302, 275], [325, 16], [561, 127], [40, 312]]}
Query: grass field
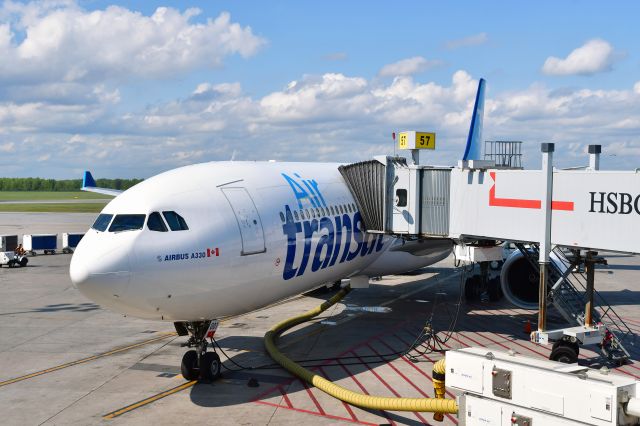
{"points": [[53, 207], [46, 195]]}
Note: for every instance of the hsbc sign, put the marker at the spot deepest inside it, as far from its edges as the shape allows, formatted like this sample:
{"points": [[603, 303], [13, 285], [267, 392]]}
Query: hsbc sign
{"points": [[615, 203]]}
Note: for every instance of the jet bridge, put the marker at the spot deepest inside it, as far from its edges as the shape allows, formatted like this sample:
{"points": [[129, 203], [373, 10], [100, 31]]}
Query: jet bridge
{"points": [[590, 209], [481, 202]]}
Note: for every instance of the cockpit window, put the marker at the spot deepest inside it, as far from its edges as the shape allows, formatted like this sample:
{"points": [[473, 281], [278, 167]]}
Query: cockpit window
{"points": [[155, 223], [102, 222], [175, 221], [127, 222]]}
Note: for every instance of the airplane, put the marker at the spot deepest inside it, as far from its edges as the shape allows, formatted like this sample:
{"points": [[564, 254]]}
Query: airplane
{"points": [[202, 242]]}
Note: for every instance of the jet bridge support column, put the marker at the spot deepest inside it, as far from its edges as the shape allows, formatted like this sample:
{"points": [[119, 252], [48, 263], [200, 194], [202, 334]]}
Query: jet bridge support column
{"points": [[545, 241], [594, 157], [589, 269]]}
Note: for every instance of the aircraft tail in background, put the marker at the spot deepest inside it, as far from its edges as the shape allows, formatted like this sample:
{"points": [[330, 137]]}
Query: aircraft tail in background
{"points": [[473, 150]]}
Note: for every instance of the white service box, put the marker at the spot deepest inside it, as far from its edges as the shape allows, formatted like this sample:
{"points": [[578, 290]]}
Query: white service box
{"points": [[470, 254]]}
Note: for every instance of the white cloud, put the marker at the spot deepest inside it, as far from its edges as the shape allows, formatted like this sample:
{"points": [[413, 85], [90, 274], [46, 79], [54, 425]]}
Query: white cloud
{"points": [[330, 117], [636, 88], [472, 40], [593, 57], [408, 66], [75, 45], [8, 147]]}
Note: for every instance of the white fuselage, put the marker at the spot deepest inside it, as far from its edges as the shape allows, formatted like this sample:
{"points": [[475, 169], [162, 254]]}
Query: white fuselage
{"points": [[257, 232]]}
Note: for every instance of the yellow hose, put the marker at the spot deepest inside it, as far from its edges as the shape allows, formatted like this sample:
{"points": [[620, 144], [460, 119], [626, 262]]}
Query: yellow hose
{"points": [[434, 405]]}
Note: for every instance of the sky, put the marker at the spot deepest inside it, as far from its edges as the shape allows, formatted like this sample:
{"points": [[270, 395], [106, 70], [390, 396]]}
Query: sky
{"points": [[131, 89]]}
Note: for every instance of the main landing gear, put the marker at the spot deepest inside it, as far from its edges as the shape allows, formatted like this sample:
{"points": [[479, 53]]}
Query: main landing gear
{"points": [[198, 364], [477, 286]]}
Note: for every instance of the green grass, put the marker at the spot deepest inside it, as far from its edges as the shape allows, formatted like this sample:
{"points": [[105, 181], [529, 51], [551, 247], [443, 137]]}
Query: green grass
{"points": [[49, 195], [53, 207]]}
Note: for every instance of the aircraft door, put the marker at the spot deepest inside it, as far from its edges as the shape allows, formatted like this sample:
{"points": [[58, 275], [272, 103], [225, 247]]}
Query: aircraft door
{"points": [[251, 231]]}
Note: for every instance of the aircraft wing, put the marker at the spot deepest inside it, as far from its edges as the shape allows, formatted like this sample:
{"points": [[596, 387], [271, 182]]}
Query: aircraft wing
{"points": [[89, 185]]}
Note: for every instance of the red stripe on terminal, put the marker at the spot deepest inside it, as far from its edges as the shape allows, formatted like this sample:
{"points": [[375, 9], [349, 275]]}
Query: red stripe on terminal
{"points": [[522, 203], [562, 205]]}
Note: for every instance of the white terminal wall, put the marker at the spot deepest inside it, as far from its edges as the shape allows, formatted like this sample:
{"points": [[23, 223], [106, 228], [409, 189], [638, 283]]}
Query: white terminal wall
{"points": [[471, 212]]}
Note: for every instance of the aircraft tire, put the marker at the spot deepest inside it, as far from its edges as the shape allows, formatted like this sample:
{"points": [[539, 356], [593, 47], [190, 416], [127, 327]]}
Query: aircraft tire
{"points": [[189, 366], [211, 367], [494, 289], [472, 288]]}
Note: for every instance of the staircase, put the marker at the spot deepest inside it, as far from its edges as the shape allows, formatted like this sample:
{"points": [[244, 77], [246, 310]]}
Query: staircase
{"points": [[567, 291]]}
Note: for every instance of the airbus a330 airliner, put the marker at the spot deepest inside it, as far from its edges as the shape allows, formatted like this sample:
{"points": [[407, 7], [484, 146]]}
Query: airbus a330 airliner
{"points": [[210, 240]]}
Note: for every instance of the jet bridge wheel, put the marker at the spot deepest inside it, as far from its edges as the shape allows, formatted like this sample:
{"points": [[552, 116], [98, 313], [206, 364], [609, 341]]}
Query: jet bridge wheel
{"points": [[564, 351]]}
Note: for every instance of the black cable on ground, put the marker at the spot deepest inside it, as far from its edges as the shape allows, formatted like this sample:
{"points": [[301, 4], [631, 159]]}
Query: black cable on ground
{"points": [[427, 341]]}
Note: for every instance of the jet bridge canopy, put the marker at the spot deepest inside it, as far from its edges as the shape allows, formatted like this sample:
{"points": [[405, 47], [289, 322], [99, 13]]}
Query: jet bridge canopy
{"points": [[399, 198]]}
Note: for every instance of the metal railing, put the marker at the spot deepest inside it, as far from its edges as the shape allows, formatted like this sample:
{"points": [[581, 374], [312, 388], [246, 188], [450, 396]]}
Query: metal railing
{"points": [[567, 291]]}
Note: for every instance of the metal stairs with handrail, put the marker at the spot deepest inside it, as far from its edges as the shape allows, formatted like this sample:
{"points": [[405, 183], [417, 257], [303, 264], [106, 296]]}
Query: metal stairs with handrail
{"points": [[566, 289]]}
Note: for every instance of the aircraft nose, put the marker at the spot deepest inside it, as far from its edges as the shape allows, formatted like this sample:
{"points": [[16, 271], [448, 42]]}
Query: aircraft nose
{"points": [[101, 275]]}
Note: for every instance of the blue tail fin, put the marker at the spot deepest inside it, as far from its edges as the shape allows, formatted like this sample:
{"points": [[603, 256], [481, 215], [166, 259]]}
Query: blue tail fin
{"points": [[473, 149], [87, 180]]}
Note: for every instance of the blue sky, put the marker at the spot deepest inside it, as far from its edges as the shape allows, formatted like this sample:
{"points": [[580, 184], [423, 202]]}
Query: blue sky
{"points": [[134, 88]]}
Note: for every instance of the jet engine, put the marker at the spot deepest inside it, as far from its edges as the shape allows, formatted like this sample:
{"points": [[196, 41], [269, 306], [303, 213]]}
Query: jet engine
{"points": [[520, 279]]}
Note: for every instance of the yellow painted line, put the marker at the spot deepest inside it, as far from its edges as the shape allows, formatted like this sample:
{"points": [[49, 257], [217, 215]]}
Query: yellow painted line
{"points": [[85, 360], [149, 400]]}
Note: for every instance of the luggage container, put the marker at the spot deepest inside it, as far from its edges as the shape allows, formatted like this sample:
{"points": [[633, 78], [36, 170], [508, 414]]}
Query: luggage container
{"points": [[70, 242], [8, 242], [47, 243]]}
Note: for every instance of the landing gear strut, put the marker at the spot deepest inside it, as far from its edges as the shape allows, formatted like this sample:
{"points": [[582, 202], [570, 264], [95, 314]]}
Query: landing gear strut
{"points": [[198, 364]]}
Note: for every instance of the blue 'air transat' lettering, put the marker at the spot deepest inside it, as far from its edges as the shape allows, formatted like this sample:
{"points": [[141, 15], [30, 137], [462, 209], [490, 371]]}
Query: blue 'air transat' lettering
{"points": [[311, 194], [333, 235], [329, 233]]}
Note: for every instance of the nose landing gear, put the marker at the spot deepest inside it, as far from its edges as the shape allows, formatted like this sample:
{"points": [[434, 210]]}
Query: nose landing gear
{"points": [[198, 364]]}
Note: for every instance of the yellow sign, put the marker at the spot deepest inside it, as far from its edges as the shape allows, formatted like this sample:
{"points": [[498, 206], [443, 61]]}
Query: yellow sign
{"points": [[417, 140]]}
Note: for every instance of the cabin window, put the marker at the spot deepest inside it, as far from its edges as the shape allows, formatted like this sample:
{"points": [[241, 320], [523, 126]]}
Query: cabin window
{"points": [[332, 211], [282, 216], [295, 214], [155, 223], [127, 222], [175, 221], [102, 222]]}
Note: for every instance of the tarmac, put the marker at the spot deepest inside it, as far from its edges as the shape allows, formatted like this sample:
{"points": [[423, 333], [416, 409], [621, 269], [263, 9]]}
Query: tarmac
{"points": [[65, 360]]}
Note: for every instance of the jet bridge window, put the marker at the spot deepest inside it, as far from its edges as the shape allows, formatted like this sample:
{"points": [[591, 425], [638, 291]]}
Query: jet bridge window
{"points": [[175, 221], [102, 222], [155, 223], [127, 222], [401, 197]]}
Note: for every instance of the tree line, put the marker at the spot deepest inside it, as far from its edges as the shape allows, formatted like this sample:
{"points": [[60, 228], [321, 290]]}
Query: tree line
{"points": [[39, 184]]}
